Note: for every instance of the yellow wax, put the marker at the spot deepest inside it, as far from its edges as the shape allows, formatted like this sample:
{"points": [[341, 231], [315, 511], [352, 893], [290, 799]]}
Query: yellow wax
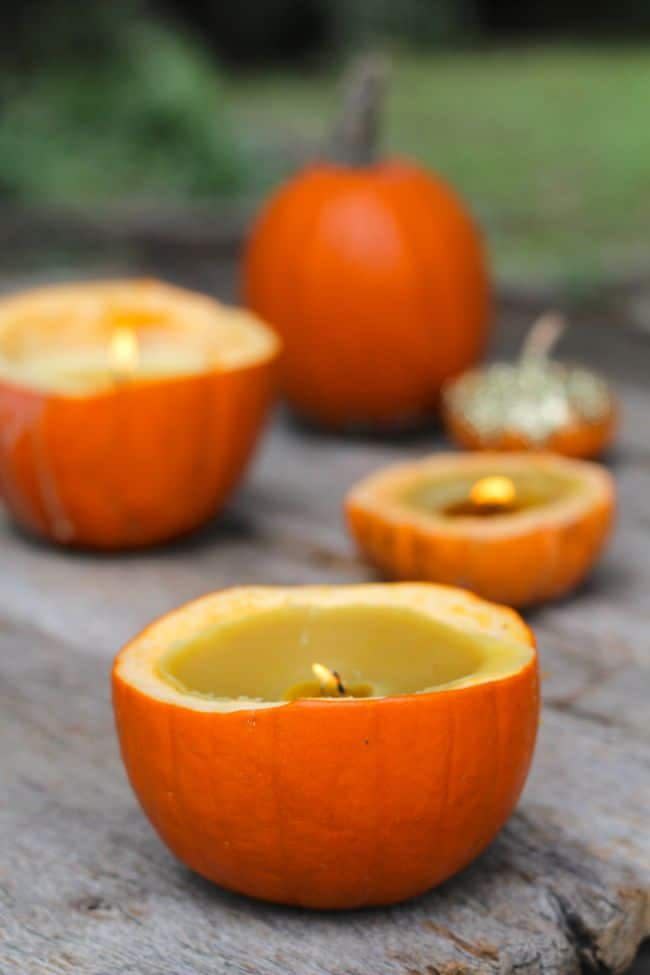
{"points": [[450, 495], [312, 688], [91, 366], [377, 651], [89, 336]]}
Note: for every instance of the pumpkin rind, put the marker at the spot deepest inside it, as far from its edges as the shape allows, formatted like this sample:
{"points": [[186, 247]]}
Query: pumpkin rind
{"points": [[131, 466], [376, 281], [519, 562], [334, 804], [582, 440]]}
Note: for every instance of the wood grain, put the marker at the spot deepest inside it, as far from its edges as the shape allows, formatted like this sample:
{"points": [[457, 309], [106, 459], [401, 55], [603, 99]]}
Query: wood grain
{"points": [[85, 885]]}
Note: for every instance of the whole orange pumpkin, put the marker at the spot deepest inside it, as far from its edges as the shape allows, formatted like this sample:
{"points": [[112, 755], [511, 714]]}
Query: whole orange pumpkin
{"points": [[375, 277]]}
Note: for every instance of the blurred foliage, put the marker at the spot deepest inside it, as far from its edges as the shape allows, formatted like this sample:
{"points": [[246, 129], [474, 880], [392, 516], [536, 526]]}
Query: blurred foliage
{"points": [[253, 32], [278, 31], [577, 18], [420, 23], [550, 145], [106, 106]]}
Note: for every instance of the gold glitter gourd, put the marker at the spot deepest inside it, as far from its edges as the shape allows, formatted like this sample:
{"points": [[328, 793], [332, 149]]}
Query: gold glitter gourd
{"points": [[533, 403]]}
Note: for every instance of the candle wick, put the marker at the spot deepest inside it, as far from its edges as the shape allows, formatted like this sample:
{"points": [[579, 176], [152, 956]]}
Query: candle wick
{"points": [[329, 680]]}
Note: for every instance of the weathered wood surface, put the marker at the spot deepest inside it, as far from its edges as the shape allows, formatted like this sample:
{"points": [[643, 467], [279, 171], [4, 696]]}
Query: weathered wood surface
{"points": [[86, 886]]}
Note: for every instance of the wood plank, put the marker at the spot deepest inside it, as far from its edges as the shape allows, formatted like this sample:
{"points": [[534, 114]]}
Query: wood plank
{"points": [[85, 885]]}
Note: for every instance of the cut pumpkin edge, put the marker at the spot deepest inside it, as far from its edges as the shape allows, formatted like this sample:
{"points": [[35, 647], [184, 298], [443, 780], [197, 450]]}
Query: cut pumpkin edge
{"points": [[234, 338], [136, 666], [379, 493]]}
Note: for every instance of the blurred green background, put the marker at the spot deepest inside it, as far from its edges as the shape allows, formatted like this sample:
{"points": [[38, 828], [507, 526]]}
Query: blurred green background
{"points": [[538, 116]]}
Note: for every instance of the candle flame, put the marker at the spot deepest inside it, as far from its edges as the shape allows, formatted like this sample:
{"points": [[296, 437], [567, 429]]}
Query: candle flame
{"points": [[124, 351], [328, 679], [493, 492]]}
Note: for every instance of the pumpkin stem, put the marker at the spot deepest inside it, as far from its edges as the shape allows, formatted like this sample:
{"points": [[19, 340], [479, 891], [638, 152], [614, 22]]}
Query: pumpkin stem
{"points": [[356, 133], [543, 335]]}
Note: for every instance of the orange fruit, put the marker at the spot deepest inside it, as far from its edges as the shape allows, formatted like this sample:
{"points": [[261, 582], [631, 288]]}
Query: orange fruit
{"points": [[324, 802], [404, 521], [93, 455], [376, 279]]}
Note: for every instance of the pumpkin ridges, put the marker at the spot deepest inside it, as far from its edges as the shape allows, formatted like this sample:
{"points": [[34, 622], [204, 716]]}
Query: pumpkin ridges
{"points": [[514, 587], [526, 732], [519, 565], [20, 410], [286, 219], [440, 262], [417, 239], [449, 560], [75, 441], [582, 545], [466, 812], [346, 798], [147, 433], [375, 296], [582, 441], [118, 485], [126, 463], [187, 825], [197, 473], [148, 424], [272, 274], [240, 401], [361, 343]]}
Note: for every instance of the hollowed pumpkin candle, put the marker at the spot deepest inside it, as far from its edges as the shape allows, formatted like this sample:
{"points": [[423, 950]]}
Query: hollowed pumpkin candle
{"points": [[516, 528], [128, 409], [279, 780]]}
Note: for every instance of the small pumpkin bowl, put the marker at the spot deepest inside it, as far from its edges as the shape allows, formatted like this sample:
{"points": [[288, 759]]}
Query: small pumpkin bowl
{"points": [[410, 522], [88, 460], [329, 802]]}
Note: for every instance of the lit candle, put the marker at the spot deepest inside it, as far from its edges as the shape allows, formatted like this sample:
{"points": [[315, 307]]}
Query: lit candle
{"points": [[516, 528], [373, 651], [127, 409], [112, 356], [124, 352], [329, 683], [320, 798], [492, 495]]}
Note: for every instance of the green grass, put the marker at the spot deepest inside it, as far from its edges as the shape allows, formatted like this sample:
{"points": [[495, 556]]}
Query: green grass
{"points": [[147, 121], [551, 146]]}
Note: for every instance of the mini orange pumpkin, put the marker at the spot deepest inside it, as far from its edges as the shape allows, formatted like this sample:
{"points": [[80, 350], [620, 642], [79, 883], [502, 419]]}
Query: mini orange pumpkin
{"points": [[87, 460], [374, 275], [376, 281], [322, 802], [412, 521]]}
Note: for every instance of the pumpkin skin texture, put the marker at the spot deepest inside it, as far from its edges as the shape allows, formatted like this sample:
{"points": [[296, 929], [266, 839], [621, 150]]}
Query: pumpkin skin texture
{"points": [[321, 803], [132, 465], [582, 440], [376, 280], [521, 560]]}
